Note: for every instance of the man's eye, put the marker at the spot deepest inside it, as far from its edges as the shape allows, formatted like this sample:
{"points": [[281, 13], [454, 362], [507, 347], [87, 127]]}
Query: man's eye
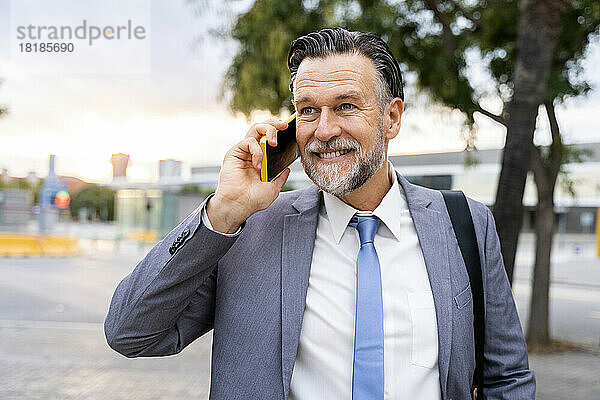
{"points": [[347, 107], [307, 111]]}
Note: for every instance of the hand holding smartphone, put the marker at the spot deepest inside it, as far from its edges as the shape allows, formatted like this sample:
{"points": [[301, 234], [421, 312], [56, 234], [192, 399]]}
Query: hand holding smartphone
{"points": [[276, 159], [239, 193]]}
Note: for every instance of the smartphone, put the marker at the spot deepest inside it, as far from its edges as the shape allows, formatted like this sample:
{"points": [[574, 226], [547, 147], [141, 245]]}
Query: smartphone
{"points": [[277, 159]]}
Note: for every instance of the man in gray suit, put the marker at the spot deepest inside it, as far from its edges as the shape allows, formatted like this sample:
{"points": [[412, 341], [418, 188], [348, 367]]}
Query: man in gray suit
{"points": [[354, 287]]}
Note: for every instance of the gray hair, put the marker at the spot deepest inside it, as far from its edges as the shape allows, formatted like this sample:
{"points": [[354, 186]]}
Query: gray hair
{"points": [[329, 42]]}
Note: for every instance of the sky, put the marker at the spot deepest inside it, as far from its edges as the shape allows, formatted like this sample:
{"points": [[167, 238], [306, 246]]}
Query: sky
{"points": [[169, 104]]}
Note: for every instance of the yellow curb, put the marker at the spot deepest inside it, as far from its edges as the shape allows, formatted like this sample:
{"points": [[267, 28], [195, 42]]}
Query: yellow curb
{"points": [[143, 236], [24, 245]]}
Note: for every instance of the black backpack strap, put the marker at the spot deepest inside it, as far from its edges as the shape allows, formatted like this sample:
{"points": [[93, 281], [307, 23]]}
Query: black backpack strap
{"points": [[462, 222]]}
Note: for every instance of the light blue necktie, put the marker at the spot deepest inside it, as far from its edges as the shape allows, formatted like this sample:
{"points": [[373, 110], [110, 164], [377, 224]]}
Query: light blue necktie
{"points": [[367, 370]]}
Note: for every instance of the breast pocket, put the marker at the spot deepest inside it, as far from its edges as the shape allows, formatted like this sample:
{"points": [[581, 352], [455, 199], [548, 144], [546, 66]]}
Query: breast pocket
{"points": [[463, 298], [424, 329]]}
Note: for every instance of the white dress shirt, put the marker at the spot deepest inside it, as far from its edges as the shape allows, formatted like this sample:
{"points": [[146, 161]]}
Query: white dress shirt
{"points": [[323, 366]]}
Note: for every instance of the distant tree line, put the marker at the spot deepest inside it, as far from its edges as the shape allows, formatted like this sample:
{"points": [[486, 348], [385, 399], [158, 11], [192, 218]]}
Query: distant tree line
{"points": [[195, 189], [98, 200], [22, 184]]}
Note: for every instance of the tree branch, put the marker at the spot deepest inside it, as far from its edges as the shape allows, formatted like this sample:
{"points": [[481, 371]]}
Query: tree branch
{"points": [[557, 149], [449, 40], [554, 129], [498, 118], [537, 166]]}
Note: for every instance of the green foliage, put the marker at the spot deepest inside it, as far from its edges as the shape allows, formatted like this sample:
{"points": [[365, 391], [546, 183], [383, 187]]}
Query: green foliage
{"points": [[99, 200], [579, 25], [22, 184], [258, 77], [287, 187], [471, 159], [571, 154], [433, 39], [195, 189]]}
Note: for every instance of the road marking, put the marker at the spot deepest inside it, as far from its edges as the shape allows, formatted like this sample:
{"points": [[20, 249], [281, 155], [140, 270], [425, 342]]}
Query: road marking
{"points": [[31, 324], [595, 314]]}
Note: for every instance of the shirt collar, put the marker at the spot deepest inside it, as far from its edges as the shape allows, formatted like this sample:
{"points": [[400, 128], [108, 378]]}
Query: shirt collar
{"points": [[388, 211]]}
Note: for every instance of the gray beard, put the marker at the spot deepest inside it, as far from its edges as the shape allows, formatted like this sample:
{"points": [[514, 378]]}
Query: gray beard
{"points": [[332, 179]]}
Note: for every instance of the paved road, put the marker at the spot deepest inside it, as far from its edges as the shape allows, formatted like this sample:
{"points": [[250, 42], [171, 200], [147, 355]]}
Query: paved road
{"points": [[575, 292], [52, 345]]}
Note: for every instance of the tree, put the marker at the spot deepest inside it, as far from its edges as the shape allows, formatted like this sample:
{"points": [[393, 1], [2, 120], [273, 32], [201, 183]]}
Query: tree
{"points": [[538, 28], [531, 50], [257, 77], [196, 189], [98, 200], [569, 36], [22, 184], [436, 40], [546, 164]]}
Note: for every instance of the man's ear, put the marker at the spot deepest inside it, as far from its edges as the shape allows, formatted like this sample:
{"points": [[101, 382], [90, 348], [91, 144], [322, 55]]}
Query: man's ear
{"points": [[393, 118]]}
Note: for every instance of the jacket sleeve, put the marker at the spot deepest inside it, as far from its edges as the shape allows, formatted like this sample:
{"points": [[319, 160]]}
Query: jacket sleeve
{"points": [[168, 300], [506, 368]]}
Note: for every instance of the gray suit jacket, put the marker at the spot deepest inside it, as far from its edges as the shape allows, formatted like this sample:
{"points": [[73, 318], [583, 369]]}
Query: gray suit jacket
{"points": [[251, 291]]}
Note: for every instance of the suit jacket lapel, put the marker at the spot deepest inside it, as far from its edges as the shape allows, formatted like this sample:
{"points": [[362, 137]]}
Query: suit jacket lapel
{"points": [[431, 229], [299, 231]]}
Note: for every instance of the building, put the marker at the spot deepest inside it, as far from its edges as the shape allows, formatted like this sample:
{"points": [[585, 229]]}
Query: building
{"points": [[120, 162], [151, 210], [159, 206], [476, 173], [169, 170], [15, 209]]}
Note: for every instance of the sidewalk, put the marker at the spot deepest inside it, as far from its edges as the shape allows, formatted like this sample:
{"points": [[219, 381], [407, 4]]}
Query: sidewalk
{"points": [[568, 375], [86, 368], [53, 347]]}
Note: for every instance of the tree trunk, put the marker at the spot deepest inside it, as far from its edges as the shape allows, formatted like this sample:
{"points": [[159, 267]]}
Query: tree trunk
{"points": [[538, 334], [545, 170], [537, 32]]}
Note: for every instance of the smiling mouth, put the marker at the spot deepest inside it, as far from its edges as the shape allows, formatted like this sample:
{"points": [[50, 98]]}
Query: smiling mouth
{"points": [[333, 154]]}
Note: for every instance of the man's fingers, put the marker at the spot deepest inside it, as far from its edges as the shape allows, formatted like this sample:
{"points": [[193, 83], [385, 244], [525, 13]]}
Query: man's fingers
{"points": [[268, 128], [277, 123], [256, 131], [269, 131], [247, 150], [256, 152], [281, 179]]}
